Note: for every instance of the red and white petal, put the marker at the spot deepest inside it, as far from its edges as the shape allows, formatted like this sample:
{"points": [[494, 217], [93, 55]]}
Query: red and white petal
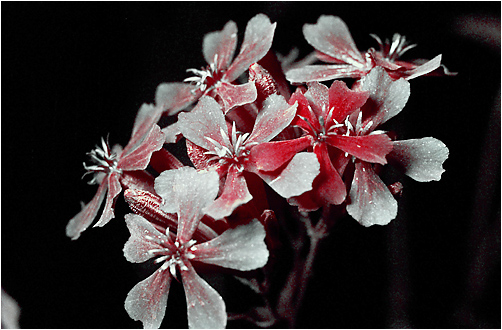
{"points": [[257, 41], [275, 116], [306, 202], [272, 155], [206, 120], [137, 180], [296, 178], [328, 186], [139, 157], [305, 118], [174, 97], [147, 300], [370, 201], [331, 36], [234, 95], [114, 189], [387, 97], [322, 72], [205, 307], [235, 193], [318, 96], [425, 68], [148, 115], [344, 101], [84, 218], [222, 44], [172, 133], [370, 148], [186, 191], [242, 248], [420, 159], [144, 237], [162, 160]]}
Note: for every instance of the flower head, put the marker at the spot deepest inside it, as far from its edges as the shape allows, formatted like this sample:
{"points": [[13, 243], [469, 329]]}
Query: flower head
{"points": [[114, 167], [334, 44], [229, 151], [217, 78], [243, 248]]}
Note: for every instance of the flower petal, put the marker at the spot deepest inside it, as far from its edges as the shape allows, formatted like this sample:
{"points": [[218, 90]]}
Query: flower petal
{"points": [[420, 159], [235, 193], [174, 97], [296, 178], [235, 95], [205, 121], [322, 72], [330, 35], [370, 148], [257, 41], [147, 116], [371, 203], [387, 97], [172, 133], [84, 218], [186, 191], [139, 157], [147, 300], [242, 248], [272, 155], [318, 96], [205, 307], [221, 44], [425, 68], [114, 189], [275, 116], [344, 101], [328, 185], [137, 246]]}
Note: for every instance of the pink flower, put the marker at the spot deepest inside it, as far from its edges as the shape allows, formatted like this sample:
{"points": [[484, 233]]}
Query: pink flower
{"points": [[116, 168], [331, 38], [187, 192], [323, 116], [228, 151], [370, 201], [217, 78]]}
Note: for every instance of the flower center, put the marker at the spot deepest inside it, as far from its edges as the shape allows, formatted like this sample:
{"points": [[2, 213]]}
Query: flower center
{"points": [[205, 78], [234, 149], [105, 161], [172, 254], [395, 49]]}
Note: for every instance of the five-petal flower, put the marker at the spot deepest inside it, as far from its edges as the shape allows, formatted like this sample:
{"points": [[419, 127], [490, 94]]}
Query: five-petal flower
{"points": [[115, 168], [187, 192], [228, 150], [333, 41], [217, 78]]}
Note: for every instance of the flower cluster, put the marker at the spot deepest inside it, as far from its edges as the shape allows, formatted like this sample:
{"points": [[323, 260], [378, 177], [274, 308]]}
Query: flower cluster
{"points": [[248, 135]]}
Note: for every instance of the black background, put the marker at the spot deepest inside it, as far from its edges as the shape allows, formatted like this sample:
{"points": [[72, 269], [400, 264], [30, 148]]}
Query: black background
{"points": [[74, 72]]}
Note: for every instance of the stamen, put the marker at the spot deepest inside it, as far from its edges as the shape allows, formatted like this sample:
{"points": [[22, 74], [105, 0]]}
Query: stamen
{"points": [[313, 131], [160, 259]]}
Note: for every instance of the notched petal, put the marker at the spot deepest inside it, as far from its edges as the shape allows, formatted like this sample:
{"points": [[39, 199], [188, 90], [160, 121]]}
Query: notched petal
{"points": [[147, 300], [331, 36], [258, 39], [370, 201], [275, 116], [242, 248], [144, 237], [420, 159], [205, 307], [296, 178]]}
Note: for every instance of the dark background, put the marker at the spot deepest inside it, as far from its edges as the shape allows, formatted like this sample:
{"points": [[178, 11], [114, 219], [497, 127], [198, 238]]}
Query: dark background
{"points": [[74, 72]]}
